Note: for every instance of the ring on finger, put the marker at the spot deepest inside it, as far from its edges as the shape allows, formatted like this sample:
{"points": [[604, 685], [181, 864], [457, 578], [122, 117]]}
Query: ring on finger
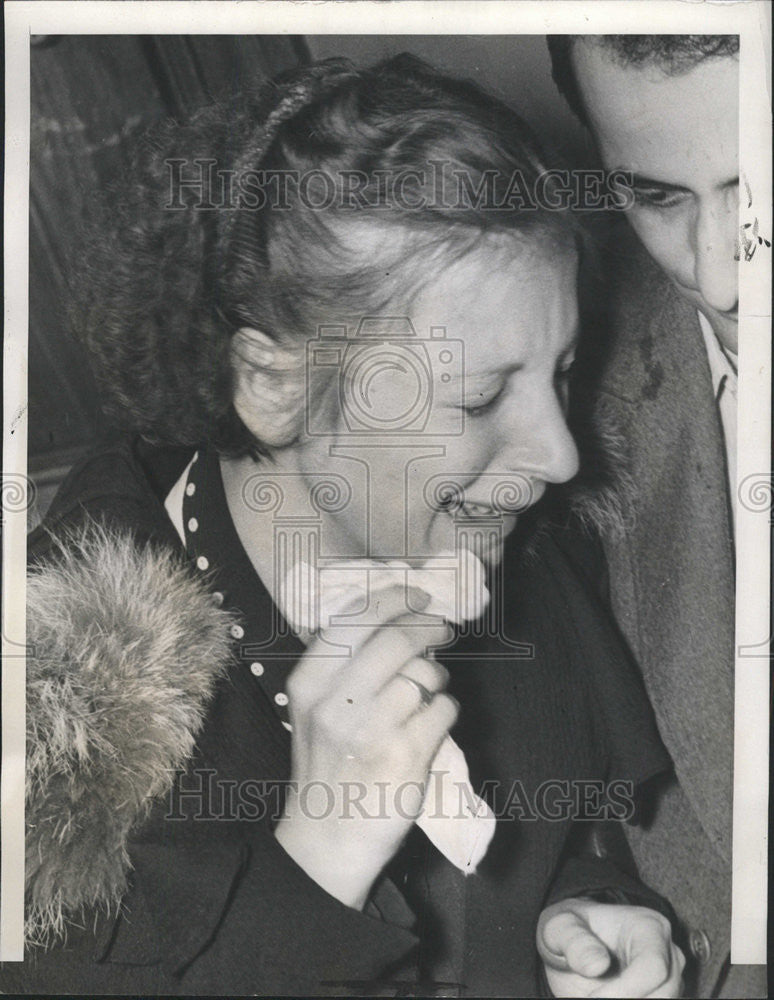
{"points": [[425, 695]]}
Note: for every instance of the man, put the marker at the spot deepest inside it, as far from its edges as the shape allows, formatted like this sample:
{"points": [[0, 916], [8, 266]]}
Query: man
{"points": [[665, 108]]}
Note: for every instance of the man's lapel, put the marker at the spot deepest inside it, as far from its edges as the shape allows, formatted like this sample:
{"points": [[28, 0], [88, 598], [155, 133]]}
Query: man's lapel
{"points": [[676, 598]]}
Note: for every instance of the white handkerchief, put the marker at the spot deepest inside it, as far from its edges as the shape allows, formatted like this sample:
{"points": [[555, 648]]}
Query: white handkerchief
{"points": [[456, 820], [459, 823], [312, 597]]}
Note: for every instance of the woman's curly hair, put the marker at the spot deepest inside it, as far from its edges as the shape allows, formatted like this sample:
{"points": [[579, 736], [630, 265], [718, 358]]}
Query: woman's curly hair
{"points": [[244, 216]]}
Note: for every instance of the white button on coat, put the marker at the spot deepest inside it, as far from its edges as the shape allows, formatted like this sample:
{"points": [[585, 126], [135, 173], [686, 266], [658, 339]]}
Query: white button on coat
{"points": [[699, 944], [257, 669], [281, 698]]}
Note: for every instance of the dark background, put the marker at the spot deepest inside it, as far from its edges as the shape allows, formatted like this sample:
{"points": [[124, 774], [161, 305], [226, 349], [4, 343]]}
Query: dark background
{"points": [[92, 95]]}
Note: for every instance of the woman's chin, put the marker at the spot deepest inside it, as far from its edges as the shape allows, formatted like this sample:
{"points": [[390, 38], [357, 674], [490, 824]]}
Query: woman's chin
{"points": [[489, 545]]}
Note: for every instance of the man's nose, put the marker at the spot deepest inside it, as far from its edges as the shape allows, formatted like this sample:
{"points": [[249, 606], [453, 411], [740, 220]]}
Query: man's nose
{"points": [[716, 274]]}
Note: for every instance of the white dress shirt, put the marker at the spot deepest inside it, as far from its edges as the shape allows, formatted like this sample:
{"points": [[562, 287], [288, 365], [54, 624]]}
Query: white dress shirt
{"points": [[724, 382]]}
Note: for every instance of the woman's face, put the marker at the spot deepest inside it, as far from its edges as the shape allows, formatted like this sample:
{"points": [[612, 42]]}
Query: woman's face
{"points": [[475, 400]]}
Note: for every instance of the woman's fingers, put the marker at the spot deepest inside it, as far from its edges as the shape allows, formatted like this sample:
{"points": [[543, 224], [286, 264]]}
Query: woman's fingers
{"points": [[411, 689], [367, 702], [393, 602], [426, 730], [338, 647], [385, 654]]}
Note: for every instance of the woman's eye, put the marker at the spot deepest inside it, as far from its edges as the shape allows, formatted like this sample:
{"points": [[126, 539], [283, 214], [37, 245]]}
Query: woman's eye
{"points": [[477, 408], [657, 197]]}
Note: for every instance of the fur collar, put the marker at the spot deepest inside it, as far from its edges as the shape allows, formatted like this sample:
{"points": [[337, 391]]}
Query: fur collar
{"points": [[116, 693], [601, 499]]}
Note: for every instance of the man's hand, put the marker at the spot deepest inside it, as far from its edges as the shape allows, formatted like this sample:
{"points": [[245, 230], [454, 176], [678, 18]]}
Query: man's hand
{"points": [[592, 949]]}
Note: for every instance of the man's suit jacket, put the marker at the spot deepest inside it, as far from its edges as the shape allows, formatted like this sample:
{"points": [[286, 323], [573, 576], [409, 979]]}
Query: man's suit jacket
{"points": [[672, 590]]}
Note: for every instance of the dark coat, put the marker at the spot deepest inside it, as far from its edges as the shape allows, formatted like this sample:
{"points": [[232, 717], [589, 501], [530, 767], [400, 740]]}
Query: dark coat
{"points": [[672, 584], [210, 903]]}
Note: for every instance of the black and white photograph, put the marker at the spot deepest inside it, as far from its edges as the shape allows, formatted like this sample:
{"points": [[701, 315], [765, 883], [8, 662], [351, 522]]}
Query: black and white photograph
{"points": [[386, 499]]}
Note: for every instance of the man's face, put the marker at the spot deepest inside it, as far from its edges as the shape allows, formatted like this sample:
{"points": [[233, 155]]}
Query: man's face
{"points": [[679, 136]]}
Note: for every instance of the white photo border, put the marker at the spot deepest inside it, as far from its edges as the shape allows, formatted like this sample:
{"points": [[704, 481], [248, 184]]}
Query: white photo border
{"points": [[748, 18]]}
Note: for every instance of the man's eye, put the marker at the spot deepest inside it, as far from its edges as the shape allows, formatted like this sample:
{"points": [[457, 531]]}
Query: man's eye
{"points": [[563, 375], [657, 197]]}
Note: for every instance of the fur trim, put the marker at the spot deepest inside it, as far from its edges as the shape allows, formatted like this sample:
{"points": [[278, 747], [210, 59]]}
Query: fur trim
{"points": [[127, 647], [601, 498], [603, 494]]}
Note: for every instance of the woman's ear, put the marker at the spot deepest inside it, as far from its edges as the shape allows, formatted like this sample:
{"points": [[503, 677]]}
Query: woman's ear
{"points": [[269, 387]]}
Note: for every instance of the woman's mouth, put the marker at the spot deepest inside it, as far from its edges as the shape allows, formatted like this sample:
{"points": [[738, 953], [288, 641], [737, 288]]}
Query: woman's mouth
{"points": [[486, 527], [513, 505], [478, 511]]}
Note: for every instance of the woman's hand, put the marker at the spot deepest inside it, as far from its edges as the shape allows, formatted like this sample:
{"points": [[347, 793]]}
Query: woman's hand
{"points": [[364, 737], [592, 949]]}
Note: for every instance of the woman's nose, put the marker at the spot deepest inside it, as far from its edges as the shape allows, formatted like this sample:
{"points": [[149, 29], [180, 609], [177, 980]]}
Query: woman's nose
{"points": [[544, 444], [716, 273], [561, 461]]}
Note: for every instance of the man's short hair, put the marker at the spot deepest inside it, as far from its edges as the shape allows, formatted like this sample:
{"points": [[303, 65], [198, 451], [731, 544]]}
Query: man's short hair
{"points": [[673, 54]]}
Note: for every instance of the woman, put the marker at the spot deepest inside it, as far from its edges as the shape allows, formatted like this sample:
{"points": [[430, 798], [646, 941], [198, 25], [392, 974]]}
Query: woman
{"points": [[339, 342]]}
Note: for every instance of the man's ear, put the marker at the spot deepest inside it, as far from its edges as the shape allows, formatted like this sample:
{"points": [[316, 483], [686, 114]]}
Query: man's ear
{"points": [[269, 387]]}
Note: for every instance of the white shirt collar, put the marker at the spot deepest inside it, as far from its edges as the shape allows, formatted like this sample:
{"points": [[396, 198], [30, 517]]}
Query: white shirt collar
{"points": [[721, 368]]}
